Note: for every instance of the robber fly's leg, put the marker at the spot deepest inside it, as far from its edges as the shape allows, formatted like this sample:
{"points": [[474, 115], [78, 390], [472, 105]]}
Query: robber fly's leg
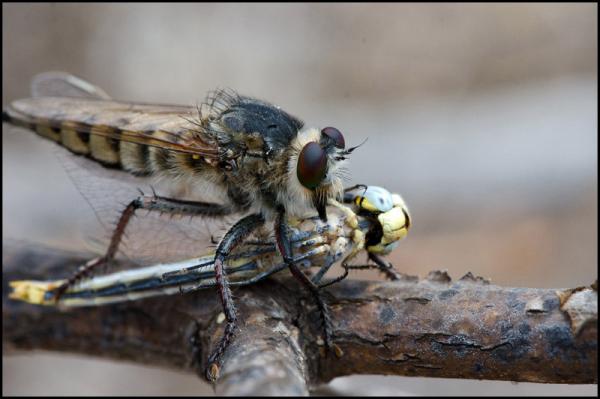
{"points": [[150, 203], [232, 238], [285, 247]]}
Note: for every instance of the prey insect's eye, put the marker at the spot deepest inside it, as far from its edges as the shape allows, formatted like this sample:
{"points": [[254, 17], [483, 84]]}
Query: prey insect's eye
{"points": [[312, 165], [335, 136], [375, 199]]}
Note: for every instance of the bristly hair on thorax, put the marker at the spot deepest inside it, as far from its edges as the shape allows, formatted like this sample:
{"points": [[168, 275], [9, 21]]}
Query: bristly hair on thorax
{"points": [[267, 142], [223, 110]]}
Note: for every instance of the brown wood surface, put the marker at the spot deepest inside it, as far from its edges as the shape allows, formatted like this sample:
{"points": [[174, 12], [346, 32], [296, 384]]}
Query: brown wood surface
{"points": [[432, 327]]}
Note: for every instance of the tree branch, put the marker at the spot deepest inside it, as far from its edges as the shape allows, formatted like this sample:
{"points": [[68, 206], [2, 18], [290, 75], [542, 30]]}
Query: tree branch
{"points": [[433, 327]]}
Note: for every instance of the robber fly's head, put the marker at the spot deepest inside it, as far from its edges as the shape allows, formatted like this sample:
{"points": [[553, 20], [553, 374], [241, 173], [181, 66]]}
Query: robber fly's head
{"points": [[315, 166]]}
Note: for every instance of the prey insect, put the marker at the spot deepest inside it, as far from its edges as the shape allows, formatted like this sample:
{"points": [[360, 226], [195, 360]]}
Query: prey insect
{"points": [[261, 160], [373, 221]]}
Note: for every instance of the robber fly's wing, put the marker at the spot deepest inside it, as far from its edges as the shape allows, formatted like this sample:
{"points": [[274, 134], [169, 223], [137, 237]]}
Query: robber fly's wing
{"points": [[82, 112], [168, 127], [63, 84], [149, 237]]}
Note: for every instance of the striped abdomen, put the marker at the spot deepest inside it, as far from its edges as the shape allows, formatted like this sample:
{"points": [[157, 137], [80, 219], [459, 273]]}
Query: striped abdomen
{"points": [[140, 139]]}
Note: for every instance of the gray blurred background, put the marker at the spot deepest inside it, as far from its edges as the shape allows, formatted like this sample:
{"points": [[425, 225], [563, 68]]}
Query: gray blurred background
{"points": [[484, 117]]}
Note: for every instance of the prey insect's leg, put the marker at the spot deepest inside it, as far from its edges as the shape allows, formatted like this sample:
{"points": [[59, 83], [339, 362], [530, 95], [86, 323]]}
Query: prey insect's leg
{"points": [[348, 197], [381, 264], [285, 247], [385, 267], [352, 188], [232, 238], [151, 203], [346, 270], [356, 235], [335, 280]]}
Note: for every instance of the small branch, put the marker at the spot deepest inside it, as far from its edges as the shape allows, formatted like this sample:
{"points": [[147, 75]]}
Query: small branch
{"points": [[433, 327], [173, 331]]}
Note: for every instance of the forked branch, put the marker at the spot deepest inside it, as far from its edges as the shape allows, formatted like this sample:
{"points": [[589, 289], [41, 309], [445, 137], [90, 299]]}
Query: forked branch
{"points": [[433, 327]]}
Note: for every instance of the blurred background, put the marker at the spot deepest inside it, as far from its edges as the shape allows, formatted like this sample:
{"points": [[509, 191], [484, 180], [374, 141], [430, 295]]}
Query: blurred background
{"points": [[484, 117]]}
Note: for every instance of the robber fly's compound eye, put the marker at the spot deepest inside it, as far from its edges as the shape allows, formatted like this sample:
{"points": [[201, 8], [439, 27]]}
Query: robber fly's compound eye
{"points": [[312, 165], [335, 136]]}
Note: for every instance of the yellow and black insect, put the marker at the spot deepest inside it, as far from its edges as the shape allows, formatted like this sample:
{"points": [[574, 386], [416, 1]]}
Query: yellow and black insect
{"points": [[261, 160], [374, 212]]}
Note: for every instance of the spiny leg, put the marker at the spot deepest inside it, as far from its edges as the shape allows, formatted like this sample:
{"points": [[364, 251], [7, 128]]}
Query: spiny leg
{"points": [[348, 196], [285, 248], [232, 238], [150, 203], [343, 276], [333, 280], [356, 235], [352, 188], [380, 264], [385, 267]]}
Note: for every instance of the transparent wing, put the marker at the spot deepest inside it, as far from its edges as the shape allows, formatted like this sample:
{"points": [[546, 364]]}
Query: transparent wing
{"points": [[150, 237], [63, 84]]}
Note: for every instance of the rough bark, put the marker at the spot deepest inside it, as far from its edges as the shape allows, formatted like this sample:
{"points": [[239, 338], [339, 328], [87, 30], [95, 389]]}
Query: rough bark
{"points": [[432, 327]]}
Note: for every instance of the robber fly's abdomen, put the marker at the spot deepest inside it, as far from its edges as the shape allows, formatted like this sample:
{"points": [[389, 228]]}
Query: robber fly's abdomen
{"points": [[97, 132], [77, 138]]}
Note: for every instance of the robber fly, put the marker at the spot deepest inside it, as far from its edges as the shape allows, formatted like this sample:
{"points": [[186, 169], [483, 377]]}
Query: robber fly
{"points": [[374, 221], [264, 161]]}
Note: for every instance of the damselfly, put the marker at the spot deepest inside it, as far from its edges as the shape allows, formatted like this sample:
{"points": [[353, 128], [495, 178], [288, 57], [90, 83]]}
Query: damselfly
{"points": [[373, 221]]}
